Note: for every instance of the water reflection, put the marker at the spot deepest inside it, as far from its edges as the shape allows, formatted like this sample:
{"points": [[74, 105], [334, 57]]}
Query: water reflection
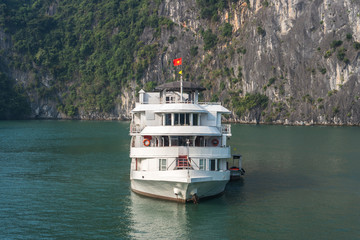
{"points": [[157, 219], [210, 219]]}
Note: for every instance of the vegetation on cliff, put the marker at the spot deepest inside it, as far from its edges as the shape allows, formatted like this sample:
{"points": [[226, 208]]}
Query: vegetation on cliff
{"points": [[91, 49], [13, 100], [249, 102]]}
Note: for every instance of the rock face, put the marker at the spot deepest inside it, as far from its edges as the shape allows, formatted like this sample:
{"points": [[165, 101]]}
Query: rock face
{"points": [[299, 53], [303, 55]]}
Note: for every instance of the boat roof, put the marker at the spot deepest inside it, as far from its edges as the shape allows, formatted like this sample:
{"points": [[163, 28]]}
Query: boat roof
{"points": [[215, 108], [175, 107], [175, 86], [181, 131]]}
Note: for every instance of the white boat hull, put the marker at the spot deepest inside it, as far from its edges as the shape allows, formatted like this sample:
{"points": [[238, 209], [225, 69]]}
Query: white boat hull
{"points": [[182, 186]]}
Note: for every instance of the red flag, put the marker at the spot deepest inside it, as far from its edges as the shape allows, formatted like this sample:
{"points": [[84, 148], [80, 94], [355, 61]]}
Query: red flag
{"points": [[177, 61]]}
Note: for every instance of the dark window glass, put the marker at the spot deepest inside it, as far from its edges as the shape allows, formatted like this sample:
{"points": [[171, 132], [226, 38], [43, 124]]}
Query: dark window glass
{"points": [[212, 164], [176, 119], [187, 118], [182, 118], [174, 141], [168, 119], [165, 140], [195, 119]]}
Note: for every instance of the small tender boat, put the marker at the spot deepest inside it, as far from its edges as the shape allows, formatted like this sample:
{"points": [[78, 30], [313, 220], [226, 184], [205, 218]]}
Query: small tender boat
{"points": [[236, 171]]}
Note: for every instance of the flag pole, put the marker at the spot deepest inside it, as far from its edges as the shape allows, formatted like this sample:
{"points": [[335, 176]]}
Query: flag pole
{"points": [[181, 87], [177, 62]]}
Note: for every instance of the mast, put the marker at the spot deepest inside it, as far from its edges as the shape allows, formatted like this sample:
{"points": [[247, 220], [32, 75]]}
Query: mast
{"points": [[181, 87], [178, 62]]}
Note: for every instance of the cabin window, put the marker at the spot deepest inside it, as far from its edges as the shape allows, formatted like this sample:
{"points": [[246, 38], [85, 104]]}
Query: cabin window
{"points": [[202, 164], [162, 164], [164, 141], [176, 119], [199, 142], [187, 118], [182, 119], [212, 164], [183, 140], [170, 99], [195, 119], [168, 119], [174, 141]]}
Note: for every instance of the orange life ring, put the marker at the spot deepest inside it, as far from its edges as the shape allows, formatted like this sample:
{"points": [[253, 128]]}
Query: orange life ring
{"points": [[146, 142], [215, 142]]}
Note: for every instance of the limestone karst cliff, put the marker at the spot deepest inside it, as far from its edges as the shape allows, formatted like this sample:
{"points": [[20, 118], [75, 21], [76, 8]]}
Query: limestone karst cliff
{"points": [[303, 56]]}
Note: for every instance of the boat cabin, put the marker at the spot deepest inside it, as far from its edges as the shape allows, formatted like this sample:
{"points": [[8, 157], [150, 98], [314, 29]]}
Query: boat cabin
{"points": [[170, 126]]}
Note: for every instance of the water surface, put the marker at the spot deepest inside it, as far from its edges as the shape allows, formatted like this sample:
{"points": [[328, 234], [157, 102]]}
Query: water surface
{"points": [[70, 180]]}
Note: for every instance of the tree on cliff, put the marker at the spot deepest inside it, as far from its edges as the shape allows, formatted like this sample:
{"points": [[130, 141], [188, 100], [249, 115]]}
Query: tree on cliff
{"points": [[13, 100]]}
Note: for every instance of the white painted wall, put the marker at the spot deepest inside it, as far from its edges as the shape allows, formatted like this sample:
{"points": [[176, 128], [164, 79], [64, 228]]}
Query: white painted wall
{"points": [[152, 97]]}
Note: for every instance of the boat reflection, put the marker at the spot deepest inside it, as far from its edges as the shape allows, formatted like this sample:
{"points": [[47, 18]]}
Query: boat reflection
{"points": [[157, 219]]}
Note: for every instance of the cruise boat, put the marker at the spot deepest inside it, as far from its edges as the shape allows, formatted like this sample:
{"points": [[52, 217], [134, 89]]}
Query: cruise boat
{"points": [[178, 145]]}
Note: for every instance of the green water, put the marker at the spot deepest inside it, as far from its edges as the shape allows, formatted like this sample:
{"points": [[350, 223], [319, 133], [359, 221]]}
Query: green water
{"points": [[70, 180]]}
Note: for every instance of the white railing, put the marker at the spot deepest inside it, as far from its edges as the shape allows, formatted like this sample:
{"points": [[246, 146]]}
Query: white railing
{"points": [[196, 152], [135, 128], [186, 102], [210, 103], [176, 101]]}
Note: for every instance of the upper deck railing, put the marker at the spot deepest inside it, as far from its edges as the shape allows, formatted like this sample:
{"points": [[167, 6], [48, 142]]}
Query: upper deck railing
{"points": [[136, 128], [173, 101], [193, 102], [209, 103], [175, 151], [184, 102]]}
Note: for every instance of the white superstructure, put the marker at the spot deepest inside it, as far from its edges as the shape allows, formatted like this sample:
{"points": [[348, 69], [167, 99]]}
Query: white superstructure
{"points": [[178, 145]]}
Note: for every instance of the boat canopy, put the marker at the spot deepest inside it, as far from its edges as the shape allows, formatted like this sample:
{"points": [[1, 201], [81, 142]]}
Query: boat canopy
{"points": [[180, 131], [215, 108], [180, 108], [176, 86]]}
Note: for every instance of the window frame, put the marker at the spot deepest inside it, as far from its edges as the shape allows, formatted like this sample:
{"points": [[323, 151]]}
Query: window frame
{"points": [[211, 164], [202, 164], [162, 164]]}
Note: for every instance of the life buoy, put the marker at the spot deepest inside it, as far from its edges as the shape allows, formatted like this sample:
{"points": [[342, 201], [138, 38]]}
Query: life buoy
{"points": [[215, 142], [146, 142]]}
